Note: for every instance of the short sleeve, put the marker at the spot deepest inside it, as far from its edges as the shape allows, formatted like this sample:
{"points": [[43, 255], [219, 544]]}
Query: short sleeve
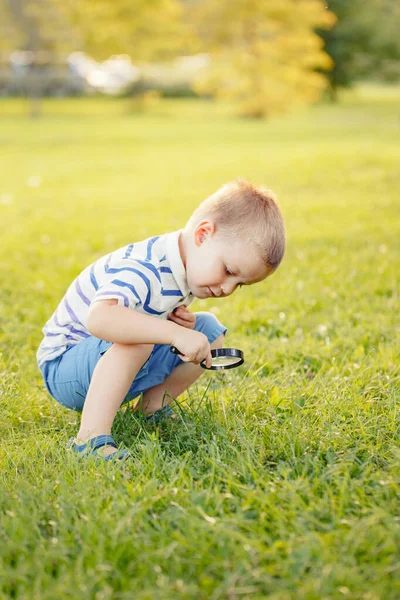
{"points": [[131, 281]]}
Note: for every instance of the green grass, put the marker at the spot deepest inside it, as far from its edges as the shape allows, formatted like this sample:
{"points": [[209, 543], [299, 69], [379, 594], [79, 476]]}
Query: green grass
{"points": [[287, 484]]}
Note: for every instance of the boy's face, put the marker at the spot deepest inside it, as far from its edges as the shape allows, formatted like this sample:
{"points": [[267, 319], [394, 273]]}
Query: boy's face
{"points": [[217, 266]]}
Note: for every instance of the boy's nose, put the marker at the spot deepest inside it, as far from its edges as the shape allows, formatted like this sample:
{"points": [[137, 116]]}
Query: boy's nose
{"points": [[227, 289]]}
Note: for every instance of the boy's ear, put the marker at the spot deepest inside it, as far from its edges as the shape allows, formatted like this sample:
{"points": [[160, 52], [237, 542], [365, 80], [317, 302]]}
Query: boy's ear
{"points": [[202, 231]]}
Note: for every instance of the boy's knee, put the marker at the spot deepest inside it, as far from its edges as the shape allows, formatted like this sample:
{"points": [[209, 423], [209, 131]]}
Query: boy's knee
{"points": [[219, 342], [135, 350], [208, 324]]}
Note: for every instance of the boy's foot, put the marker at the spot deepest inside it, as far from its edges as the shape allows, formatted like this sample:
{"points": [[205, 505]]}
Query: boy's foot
{"points": [[159, 415], [102, 446]]}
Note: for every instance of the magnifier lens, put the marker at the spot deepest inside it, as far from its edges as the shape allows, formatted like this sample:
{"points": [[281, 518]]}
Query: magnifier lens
{"points": [[224, 358], [221, 358], [223, 361]]}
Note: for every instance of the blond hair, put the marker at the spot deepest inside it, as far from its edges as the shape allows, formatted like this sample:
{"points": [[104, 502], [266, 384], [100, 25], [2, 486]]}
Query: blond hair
{"points": [[248, 212]]}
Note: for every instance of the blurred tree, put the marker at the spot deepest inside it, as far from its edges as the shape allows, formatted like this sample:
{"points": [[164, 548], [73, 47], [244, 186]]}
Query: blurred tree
{"points": [[50, 29], [10, 35], [40, 30], [144, 29], [364, 43], [264, 52]]}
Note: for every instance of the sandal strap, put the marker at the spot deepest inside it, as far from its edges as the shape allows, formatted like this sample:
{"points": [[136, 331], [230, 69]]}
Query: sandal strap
{"points": [[167, 411], [119, 455], [90, 448], [100, 441], [162, 413]]}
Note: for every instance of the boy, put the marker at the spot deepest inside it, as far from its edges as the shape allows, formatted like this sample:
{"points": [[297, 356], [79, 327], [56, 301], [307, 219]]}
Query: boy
{"points": [[109, 339]]}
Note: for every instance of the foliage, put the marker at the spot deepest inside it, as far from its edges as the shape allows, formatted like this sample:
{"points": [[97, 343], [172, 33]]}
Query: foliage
{"points": [[265, 54], [365, 41], [10, 35], [144, 29], [40, 26], [286, 486]]}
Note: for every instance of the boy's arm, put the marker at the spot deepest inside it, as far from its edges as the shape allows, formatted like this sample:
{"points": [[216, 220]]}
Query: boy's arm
{"points": [[182, 316], [113, 323], [118, 324]]}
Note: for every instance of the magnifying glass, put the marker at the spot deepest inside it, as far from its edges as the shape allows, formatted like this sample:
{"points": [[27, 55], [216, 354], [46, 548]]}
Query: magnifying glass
{"points": [[221, 358]]}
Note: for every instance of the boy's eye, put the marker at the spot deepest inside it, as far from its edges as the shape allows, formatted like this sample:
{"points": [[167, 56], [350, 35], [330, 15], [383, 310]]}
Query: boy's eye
{"points": [[229, 272]]}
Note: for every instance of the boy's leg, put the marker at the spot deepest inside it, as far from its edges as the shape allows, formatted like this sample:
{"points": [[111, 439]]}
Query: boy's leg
{"points": [[110, 382], [97, 376], [175, 384], [167, 375]]}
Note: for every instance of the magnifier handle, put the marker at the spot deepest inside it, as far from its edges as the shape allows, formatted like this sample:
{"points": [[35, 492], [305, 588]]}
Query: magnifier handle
{"points": [[175, 350]]}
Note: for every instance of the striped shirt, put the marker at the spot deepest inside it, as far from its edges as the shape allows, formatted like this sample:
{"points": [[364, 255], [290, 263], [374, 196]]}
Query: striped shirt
{"points": [[147, 276]]}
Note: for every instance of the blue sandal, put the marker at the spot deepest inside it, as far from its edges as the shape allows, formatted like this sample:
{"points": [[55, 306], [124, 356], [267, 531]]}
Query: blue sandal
{"points": [[91, 447], [160, 415]]}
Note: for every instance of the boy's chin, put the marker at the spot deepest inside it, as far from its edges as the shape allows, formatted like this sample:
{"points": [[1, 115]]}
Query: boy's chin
{"points": [[202, 293]]}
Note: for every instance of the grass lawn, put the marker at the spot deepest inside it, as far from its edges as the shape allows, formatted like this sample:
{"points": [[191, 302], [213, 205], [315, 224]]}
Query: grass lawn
{"points": [[286, 486]]}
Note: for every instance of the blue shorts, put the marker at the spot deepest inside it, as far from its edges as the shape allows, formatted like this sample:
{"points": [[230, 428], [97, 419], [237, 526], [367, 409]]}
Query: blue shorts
{"points": [[68, 376]]}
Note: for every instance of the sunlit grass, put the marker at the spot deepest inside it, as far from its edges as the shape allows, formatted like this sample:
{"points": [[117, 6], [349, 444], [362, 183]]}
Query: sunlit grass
{"points": [[283, 480]]}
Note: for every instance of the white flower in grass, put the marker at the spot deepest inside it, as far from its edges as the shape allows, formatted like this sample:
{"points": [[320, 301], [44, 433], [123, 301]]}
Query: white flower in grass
{"points": [[34, 181], [6, 199]]}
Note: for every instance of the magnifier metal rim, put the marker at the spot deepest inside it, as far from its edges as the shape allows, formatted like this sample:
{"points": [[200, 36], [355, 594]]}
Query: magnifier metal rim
{"points": [[216, 352]]}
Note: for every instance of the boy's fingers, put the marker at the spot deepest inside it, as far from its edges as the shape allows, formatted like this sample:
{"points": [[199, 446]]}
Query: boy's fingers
{"points": [[184, 317], [184, 313], [189, 317], [181, 322], [174, 317], [188, 320]]}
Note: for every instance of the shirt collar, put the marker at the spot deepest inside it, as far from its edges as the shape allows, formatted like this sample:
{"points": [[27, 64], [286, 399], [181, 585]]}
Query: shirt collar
{"points": [[175, 261]]}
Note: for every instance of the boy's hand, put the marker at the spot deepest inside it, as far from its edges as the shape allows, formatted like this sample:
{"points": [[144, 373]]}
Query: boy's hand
{"points": [[182, 316], [193, 346]]}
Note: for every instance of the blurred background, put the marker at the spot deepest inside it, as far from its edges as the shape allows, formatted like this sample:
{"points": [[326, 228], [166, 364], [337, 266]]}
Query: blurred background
{"points": [[264, 56]]}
